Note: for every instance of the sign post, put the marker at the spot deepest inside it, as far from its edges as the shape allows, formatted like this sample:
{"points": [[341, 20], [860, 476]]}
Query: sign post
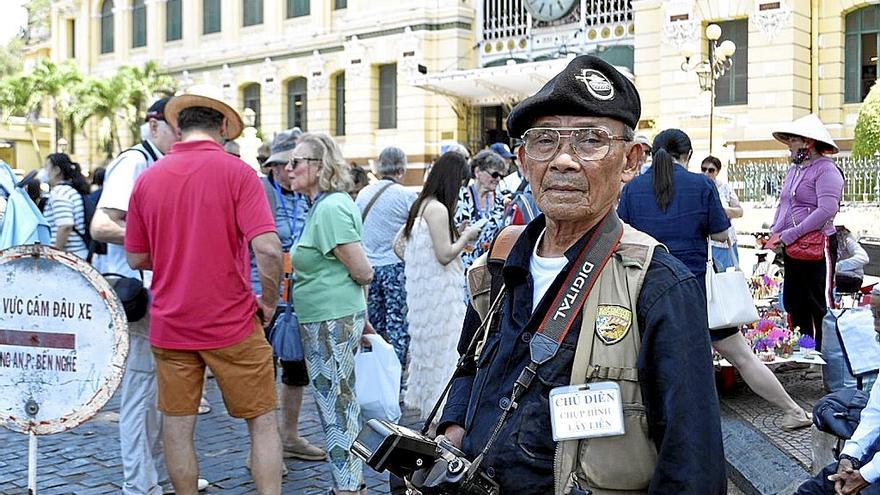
{"points": [[63, 343]]}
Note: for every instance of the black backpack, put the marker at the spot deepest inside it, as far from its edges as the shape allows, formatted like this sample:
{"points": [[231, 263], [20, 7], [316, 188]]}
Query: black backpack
{"points": [[90, 205], [839, 413]]}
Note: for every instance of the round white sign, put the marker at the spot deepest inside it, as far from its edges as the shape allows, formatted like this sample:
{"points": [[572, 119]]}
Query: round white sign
{"points": [[63, 340]]}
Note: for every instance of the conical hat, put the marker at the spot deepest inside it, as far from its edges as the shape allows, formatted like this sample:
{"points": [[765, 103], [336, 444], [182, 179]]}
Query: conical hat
{"points": [[808, 126], [204, 95]]}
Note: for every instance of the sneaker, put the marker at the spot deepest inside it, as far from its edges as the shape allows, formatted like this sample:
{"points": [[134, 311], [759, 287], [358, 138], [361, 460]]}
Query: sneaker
{"points": [[790, 423], [247, 464], [202, 484], [303, 450]]}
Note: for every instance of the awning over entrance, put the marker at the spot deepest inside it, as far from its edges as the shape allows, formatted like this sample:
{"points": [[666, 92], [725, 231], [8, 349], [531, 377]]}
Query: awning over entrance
{"points": [[506, 84]]}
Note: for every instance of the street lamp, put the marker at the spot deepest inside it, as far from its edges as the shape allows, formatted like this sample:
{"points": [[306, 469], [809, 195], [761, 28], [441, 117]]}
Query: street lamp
{"points": [[709, 70]]}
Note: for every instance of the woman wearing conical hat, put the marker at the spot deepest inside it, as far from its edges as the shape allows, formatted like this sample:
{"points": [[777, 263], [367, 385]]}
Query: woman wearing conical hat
{"points": [[808, 203]]}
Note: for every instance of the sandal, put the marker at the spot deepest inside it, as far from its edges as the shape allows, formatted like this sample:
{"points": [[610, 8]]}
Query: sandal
{"points": [[792, 423], [204, 406]]}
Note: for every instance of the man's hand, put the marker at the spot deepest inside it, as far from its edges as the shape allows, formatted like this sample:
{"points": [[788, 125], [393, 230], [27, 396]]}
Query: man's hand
{"points": [[847, 481], [267, 310], [455, 435]]}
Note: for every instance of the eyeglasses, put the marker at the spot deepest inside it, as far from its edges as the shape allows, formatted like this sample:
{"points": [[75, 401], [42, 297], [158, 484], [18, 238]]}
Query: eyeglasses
{"points": [[494, 175], [297, 160], [588, 143], [711, 170]]}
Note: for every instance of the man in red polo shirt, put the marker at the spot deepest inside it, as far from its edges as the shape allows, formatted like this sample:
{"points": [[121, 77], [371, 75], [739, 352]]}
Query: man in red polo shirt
{"points": [[191, 219]]}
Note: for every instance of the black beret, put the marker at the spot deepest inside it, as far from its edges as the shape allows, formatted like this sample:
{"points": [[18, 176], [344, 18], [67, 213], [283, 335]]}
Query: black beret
{"points": [[588, 86]]}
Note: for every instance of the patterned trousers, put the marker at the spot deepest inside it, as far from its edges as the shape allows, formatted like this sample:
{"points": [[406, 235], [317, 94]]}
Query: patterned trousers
{"points": [[329, 349], [387, 308]]}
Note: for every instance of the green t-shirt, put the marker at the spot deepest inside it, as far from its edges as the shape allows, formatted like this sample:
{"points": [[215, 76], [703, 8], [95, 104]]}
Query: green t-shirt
{"points": [[323, 289]]}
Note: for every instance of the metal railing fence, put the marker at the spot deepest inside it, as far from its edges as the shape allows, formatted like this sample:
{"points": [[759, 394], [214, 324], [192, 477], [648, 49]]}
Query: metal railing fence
{"points": [[762, 180]]}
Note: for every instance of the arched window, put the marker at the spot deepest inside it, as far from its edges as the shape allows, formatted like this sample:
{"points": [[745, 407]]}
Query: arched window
{"points": [[253, 12], [210, 16], [297, 101], [173, 20], [107, 26], [138, 24], [860, 52], [251, 97]]}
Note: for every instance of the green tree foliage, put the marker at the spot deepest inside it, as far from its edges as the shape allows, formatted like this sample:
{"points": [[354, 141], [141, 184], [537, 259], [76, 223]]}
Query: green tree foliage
{"points": [[10, 57], [19, 98], [105, 99], [867, 133], [143, 85]]}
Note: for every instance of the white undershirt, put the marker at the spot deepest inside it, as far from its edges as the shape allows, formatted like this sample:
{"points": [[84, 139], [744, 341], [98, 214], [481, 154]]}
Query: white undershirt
{"points": [[544, 271]]}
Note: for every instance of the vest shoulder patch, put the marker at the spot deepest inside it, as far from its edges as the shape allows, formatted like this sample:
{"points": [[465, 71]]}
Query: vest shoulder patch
{"points": [[612, 323]]}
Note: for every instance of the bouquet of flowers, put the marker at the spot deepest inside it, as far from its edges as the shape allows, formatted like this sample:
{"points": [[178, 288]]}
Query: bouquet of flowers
{"points": [[769, 338], [764, 286], [807, 345]]}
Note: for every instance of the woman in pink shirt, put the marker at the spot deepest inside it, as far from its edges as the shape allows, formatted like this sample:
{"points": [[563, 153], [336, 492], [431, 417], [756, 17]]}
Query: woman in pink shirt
{"points": [[808, 203]]}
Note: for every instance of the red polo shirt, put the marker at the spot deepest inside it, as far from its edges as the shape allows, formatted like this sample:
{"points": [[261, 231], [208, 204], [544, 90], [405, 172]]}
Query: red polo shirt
{"points": [[194, 212]]}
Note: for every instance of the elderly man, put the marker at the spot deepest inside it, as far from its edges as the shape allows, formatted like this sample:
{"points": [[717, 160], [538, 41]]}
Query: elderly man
{"points": [[384, 208], [191, 218], [594, 373], [858, 470]]}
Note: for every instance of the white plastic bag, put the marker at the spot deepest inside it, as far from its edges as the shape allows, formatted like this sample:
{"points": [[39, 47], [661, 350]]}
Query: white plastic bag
{"points": [[377, 380]]}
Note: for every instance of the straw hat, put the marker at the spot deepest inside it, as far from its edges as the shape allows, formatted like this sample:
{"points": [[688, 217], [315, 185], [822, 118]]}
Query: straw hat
{"points": [[204, 95], [808, 126]]}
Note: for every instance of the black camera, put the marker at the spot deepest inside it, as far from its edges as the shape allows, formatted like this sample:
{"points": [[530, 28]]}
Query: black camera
{"points": [[436, 468]]}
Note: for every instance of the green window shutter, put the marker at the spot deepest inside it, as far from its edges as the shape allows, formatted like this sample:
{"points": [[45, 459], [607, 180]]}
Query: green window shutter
{"points": [[173, 21], [138, 24], [733, 87], [211, 16], [107, 26], [298, 8], [340, 104], [253, 12], [388, 96], [297, 103], [340, 4]]}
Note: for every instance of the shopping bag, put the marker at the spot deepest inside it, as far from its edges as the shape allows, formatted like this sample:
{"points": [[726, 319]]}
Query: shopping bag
{"points": [[836, 374], [729, 301], [284, 336], [377, 380], [860, 345]]}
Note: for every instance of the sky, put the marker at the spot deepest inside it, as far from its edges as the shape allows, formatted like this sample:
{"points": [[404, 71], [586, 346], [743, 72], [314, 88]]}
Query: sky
{"points": [[14, 16]]}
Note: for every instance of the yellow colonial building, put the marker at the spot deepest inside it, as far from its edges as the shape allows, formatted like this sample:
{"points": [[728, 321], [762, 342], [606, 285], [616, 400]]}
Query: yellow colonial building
{"points": [[422, 74]]}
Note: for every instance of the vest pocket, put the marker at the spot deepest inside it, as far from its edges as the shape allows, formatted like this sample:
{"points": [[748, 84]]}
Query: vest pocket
{"points": [[624, 462]]}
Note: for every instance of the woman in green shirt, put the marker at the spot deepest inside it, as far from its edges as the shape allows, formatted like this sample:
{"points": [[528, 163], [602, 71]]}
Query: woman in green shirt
{"points": [[331, 273]]}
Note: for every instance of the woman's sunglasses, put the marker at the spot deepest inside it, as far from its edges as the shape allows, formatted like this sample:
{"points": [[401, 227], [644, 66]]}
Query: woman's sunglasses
{"points": [[711, 170], [494, 175]]}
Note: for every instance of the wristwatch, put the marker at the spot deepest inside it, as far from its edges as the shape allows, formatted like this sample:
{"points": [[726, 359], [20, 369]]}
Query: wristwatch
{"points": [[856, 464]]}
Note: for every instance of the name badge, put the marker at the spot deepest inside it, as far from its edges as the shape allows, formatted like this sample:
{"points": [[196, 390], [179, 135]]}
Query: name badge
{"points": [[586, 411]]}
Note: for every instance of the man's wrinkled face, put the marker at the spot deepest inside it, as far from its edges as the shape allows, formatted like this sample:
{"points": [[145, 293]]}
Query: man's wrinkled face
{"points": [[567, 187]]}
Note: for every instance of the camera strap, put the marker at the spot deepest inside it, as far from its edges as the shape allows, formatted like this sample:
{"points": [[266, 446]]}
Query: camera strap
{"points": [[561, 315]]}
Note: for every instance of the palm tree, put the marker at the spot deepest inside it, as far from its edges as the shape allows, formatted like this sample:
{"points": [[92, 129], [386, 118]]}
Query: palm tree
{"points": [[104, 99], [18, 98], [142, 85], [55, 81]]}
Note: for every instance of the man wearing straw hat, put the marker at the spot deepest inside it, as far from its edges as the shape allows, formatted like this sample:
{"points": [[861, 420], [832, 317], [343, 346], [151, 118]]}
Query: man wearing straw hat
{"points": [[191, 219]]}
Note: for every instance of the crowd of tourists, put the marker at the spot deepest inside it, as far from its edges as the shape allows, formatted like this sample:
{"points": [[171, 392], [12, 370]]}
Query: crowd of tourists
{"points": [[477, 256]]}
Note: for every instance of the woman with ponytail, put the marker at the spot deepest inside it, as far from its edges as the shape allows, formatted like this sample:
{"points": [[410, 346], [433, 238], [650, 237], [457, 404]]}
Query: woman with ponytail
{"points": [[682, 210], [64, 209]]}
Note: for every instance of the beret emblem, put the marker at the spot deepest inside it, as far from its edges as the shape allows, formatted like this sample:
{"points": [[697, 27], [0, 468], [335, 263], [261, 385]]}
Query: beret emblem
{"points": [[597, 84]]}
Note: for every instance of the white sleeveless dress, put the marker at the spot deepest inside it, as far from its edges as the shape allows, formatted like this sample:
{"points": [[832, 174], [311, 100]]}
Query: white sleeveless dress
{"points": [[436, 313]]}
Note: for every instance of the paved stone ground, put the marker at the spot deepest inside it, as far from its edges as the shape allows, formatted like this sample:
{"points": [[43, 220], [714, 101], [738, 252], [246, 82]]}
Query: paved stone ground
{"points": [[85, 460]]}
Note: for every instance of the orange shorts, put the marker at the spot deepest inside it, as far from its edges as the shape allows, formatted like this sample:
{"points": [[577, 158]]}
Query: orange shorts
{"points": [[244, 372]]}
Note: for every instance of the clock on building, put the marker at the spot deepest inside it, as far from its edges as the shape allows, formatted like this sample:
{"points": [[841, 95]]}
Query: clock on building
{"points": [[549, 10]]}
